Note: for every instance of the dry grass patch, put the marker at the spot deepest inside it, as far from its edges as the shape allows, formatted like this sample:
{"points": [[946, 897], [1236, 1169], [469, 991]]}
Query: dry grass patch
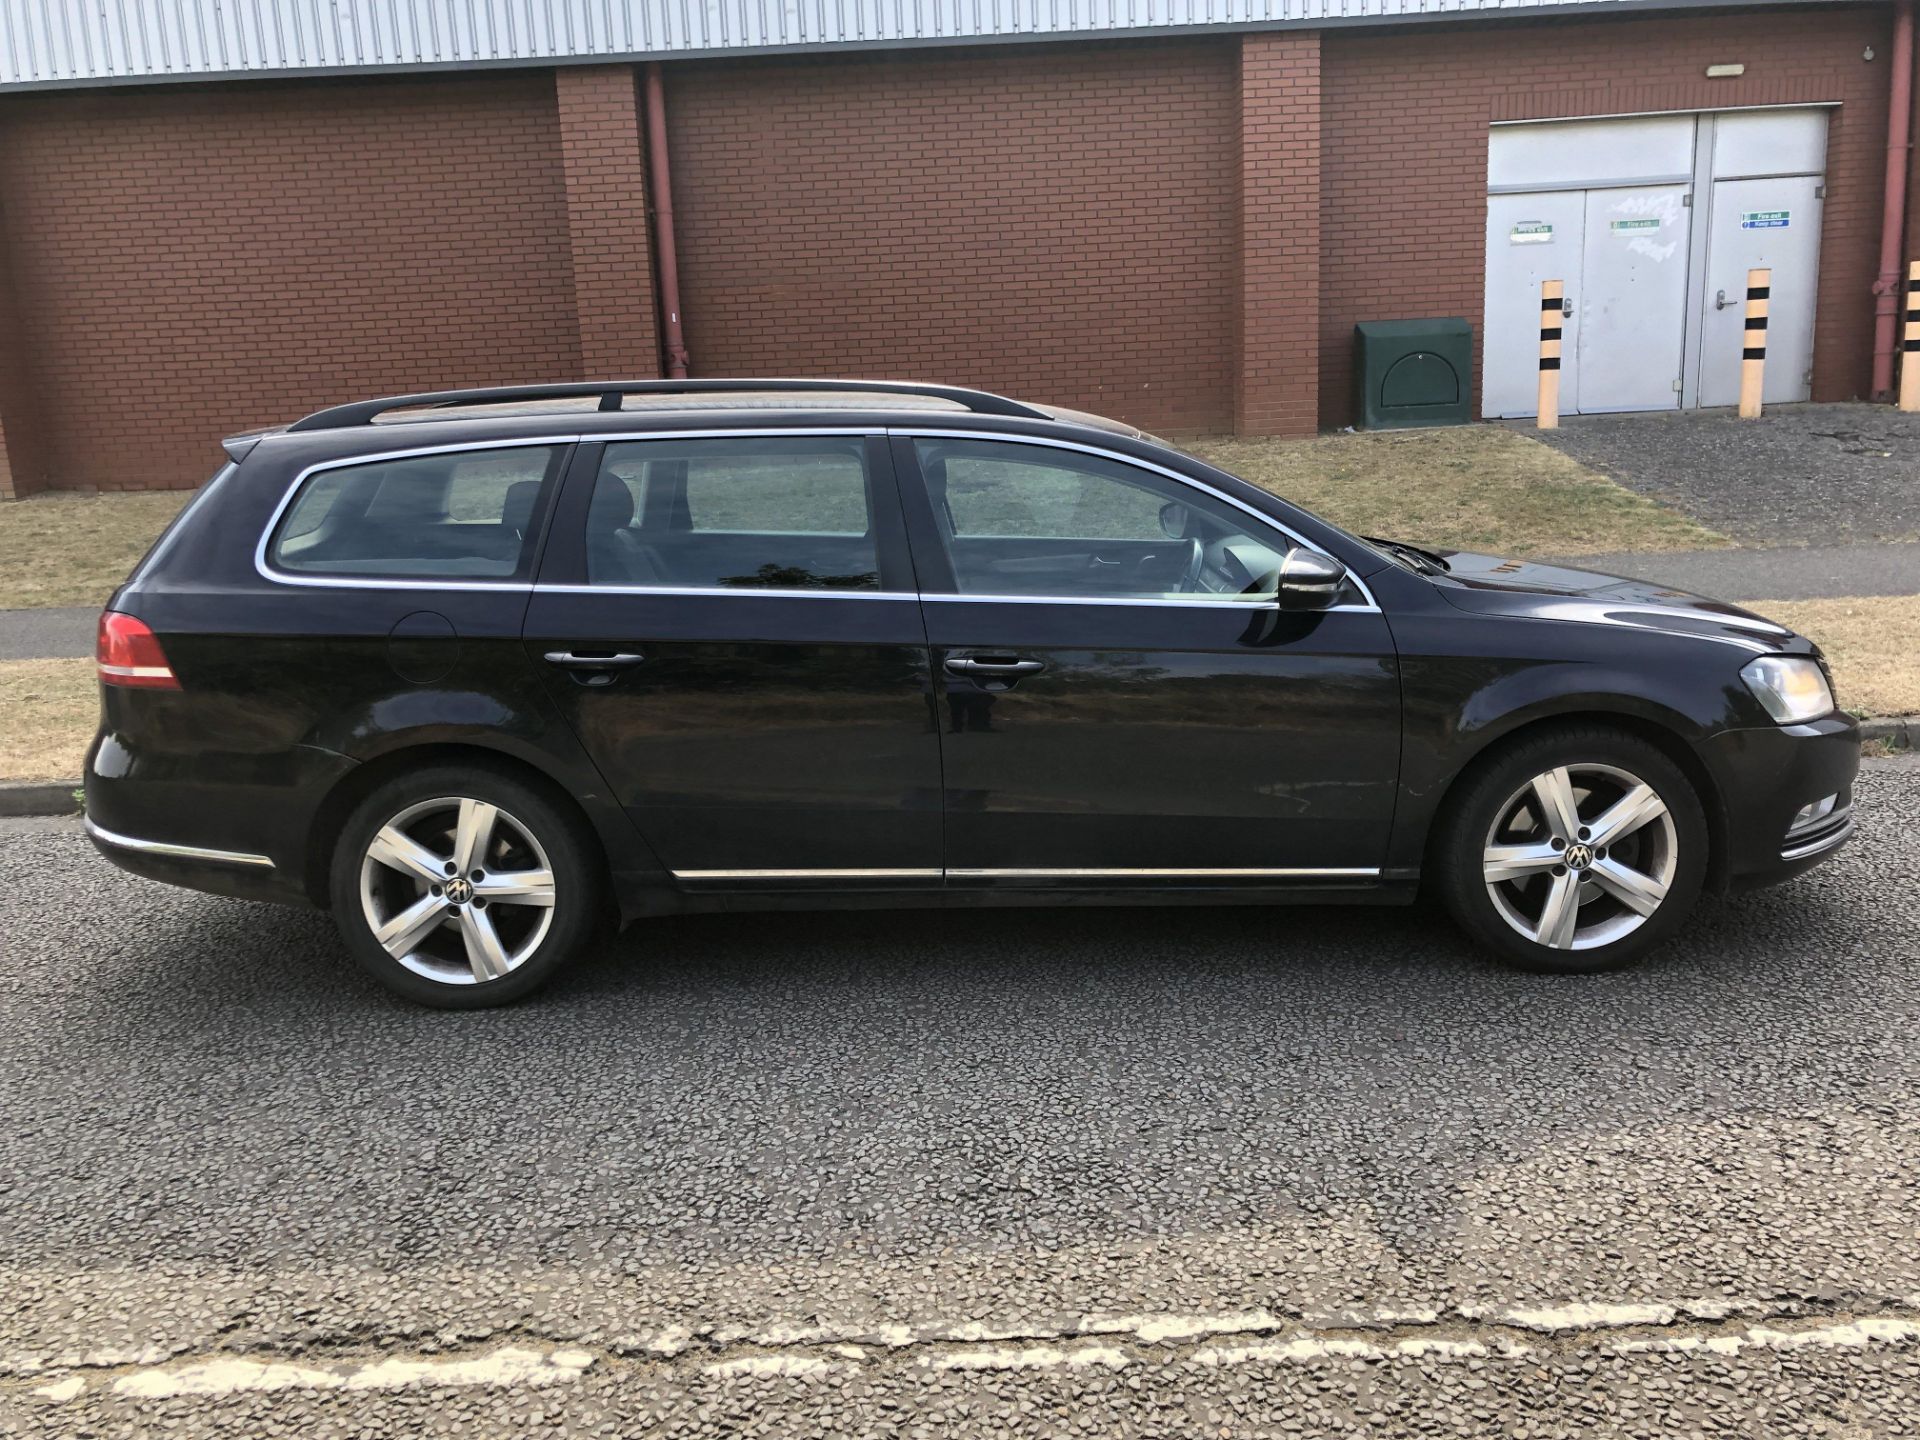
{"points": [[1873, 645], [75, 549], [48, 711], [1469, 487]]}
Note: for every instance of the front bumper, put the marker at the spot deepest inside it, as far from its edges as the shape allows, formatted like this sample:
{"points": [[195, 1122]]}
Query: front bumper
{"points": [[1765, 776]]}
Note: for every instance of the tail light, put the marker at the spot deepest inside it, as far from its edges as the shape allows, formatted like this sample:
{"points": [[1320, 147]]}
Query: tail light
{"points": [[130, 654]]}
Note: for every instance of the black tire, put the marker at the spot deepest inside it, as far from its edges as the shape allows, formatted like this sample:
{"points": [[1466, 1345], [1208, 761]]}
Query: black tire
{"points": [[1490, 795], [530, 827]]}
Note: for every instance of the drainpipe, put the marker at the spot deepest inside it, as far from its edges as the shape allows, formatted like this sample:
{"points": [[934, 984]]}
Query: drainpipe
{"points": [[661, 183], [1886, 290]]}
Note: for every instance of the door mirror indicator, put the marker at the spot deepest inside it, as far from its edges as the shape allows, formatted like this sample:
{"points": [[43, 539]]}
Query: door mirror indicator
{"points": [[1309, 580]]}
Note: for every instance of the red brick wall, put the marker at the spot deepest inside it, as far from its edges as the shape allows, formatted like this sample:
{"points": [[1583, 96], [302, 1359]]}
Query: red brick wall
{"points": [[22, 470], [193, 261], [1279, 202], [606, 175], [1054, 222], [1404, 157]]}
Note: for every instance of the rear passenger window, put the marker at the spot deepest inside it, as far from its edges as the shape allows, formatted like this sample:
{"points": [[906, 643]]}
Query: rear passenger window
{"points": [[456, 515], [771, 512]]}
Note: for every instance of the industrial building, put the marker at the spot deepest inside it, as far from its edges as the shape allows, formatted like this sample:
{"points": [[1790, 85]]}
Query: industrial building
{"points": [[1173, 211]]}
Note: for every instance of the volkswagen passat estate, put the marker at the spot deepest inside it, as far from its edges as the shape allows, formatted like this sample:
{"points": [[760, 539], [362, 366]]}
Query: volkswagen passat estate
{"points": [[480, 671]]}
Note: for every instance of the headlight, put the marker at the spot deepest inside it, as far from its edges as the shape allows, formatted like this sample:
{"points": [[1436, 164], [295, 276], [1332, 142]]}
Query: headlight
{"points": [[1792, 687]]}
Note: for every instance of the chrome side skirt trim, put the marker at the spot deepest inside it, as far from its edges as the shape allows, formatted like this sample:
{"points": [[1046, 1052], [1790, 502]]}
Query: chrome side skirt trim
{"points": [[1014, 874], [175, 852], [1825, 842], [806, 874], [1168, 874]]}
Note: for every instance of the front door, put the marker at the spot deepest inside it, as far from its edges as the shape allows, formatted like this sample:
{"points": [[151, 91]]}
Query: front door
{"points": [[1121, 701], [729, 624], [1530, 238]]}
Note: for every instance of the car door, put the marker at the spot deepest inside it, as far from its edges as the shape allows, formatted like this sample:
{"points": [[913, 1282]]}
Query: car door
{"points": [[1122, 702], [729, 623]]}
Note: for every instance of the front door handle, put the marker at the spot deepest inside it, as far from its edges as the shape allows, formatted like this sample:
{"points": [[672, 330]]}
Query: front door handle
{"points": [[593, 660], [1720, 300], [975, 668]]}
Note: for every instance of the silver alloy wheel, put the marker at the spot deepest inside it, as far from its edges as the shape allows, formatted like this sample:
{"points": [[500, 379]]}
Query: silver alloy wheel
{"points": [[457, 890], [1580, 856]]}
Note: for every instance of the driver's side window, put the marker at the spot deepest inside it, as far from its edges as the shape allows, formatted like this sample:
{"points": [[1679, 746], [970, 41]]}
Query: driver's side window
{"points": [[1035, 520]]}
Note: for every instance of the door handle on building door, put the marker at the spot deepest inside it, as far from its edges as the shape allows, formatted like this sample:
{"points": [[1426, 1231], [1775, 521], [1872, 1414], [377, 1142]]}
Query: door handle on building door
{"points": [[1720, 300], [1566, 305]]}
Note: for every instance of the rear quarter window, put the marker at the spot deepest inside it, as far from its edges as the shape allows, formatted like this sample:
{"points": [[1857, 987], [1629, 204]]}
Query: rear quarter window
{"points": [[453, 515]]}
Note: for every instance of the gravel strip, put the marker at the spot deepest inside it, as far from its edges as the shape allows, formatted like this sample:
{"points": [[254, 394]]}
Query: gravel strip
{"points": [[1800, 475]]}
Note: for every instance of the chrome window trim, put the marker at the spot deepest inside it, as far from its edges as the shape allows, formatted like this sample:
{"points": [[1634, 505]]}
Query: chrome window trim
{"points": [[283, 577], [924, 432], [174, 852], [268, 571]]}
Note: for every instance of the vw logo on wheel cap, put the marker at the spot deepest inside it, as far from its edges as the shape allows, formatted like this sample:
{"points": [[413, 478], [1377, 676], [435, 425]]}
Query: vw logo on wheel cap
{"points": [[459, 891], [1578, 857]]}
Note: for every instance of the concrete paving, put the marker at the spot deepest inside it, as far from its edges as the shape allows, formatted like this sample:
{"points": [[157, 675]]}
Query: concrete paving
{"points": [[1800, 475], [1232, 1173], [50, 634], [1776, 574]]}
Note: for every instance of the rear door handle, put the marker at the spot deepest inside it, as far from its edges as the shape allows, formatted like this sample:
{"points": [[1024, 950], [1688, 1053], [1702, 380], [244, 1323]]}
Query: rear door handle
{"points": [[594, 660], [976, 668]]}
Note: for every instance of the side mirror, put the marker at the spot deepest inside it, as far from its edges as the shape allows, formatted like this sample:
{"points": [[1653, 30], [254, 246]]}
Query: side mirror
{"points": [[1310, 580], [1173, 520]]}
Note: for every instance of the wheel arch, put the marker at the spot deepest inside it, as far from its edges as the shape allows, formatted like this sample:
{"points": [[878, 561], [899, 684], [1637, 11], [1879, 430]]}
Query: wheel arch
{"points": [[330, 817], [1666, 737]]}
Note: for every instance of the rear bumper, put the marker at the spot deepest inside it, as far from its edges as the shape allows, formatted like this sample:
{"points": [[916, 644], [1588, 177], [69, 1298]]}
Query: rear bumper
{"points": [[209, 820], [1765, 777]]}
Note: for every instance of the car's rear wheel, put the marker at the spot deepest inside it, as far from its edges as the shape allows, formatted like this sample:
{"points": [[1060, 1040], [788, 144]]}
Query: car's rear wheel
{"points": [[1575, 850], [462, 888]]}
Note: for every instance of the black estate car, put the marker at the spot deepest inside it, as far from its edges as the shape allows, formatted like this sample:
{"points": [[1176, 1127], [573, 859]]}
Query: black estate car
{"points": [[481, 670]]}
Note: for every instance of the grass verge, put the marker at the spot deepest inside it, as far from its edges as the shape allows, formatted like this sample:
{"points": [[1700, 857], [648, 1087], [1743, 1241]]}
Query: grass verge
{"points": [[1468, 487], [75, 549], [1873, 645], [48, 711]]}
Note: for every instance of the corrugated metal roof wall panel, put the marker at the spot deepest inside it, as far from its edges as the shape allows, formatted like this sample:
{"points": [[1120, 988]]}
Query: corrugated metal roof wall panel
{"points": [[65, 42]]}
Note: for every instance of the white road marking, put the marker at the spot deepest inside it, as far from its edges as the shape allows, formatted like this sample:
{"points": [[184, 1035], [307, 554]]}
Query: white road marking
{"points": [[230, 1375]]}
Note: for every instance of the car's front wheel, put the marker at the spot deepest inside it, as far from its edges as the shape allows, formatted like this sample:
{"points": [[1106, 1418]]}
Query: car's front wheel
{"points": [[462, 888], [1574, 850]]}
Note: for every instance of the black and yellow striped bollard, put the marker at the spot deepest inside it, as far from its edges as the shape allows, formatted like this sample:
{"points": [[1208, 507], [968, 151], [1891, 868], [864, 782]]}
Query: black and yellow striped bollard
{"points": [[1753, 358], [1910, 343], [1552, 293]]}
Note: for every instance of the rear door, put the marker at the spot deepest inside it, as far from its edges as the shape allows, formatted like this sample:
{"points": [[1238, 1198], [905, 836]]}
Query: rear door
{"points": [[729, 622], [1122, 703]]}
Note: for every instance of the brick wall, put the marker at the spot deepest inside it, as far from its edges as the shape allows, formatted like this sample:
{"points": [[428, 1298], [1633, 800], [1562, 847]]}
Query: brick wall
{"points": [[1404, 153], [22, 471], [604, 161], [1279, 207], [189, 262], [1055, 222]]}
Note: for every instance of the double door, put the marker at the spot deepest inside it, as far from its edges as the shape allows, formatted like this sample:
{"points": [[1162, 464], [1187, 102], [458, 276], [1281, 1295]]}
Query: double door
{"points": [[955, 662], [1652, 224]]}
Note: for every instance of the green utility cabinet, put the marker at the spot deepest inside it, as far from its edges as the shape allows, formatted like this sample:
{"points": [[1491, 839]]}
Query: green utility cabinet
{"points": [[1412, 372]]}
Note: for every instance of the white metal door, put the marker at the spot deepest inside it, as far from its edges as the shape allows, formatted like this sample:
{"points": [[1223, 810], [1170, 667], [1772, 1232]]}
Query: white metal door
{"points": [[1530, 238], [1771, 223], [1632, 300]]}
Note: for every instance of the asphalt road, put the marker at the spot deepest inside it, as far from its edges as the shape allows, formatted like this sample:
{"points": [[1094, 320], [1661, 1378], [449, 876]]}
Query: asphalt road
{"points": [[1228, 1173]]}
